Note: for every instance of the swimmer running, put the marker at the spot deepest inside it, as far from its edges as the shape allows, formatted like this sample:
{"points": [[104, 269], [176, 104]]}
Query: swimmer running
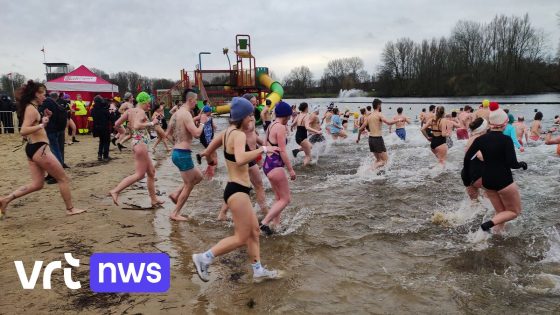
{"points": [[236, 194], [499, 158], [39, 156], [138, 124]]}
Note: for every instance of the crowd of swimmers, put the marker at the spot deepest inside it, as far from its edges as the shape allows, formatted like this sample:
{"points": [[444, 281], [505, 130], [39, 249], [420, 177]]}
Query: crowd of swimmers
{"points": [[491, 133]]}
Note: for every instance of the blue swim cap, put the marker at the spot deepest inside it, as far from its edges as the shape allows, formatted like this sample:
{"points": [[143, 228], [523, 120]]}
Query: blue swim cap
{"points": [[283, 109], [207, 109], [240, 108]]}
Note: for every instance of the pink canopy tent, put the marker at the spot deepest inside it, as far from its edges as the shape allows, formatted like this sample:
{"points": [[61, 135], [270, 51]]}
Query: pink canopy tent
{"points": [[84, 82]]}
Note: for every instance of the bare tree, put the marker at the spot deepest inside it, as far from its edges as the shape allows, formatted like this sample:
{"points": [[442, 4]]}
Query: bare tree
{"points": [[300, 79]]}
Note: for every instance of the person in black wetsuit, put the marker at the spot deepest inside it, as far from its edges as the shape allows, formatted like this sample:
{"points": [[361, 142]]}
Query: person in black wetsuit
{"points": [[302, 124], [499, 158], [439, 131]]}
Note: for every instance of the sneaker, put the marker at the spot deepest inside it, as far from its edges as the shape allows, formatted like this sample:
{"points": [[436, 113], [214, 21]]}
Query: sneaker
{"points": [[295, 152], [201, 267], [263, 274], [74, 139], [266, 230], [114, 141], [120, 146]]}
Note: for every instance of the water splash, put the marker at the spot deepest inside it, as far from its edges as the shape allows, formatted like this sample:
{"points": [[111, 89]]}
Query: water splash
{"points": [[351, 93], [553, 253]]}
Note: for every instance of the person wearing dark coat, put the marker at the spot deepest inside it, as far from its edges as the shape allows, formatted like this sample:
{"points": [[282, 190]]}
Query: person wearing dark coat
{"points": [[102, 126]]}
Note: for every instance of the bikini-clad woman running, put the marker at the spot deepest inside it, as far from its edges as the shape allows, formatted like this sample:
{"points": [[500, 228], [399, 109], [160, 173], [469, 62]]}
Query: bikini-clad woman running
{"points": [[39, 157], [236, 194]]}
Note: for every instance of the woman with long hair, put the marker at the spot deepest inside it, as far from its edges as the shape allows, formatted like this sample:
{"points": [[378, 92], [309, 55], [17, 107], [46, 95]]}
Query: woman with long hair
{"points": [[439, 132], [138, 124], [499, 158], [39, 156], [274, 163], [236, 193]]}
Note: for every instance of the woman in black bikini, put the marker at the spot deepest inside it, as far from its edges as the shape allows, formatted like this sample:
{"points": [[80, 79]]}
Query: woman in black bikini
{"points": [[440, 130], [302, 124], [499, 158], [39, 156], [236, 193]]}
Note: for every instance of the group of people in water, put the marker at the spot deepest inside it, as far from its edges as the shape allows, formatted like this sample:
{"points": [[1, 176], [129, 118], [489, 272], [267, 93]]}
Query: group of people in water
{"points": [[491, 135]]}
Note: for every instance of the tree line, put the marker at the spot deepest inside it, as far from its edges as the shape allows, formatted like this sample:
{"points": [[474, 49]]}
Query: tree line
{"points": [[505, 56], [126, 81]]}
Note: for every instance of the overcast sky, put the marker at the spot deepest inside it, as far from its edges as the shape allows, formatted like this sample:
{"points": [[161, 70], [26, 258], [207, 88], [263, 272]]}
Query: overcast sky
{"points": [[158, 38]]}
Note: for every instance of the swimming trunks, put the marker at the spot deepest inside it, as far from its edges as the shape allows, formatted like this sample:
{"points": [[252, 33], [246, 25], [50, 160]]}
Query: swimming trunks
{"points": [[401, 133], [182, 159], [316, 138], [499, 159], [376, 144], [462, 134], [233, 187], [32, 148]]}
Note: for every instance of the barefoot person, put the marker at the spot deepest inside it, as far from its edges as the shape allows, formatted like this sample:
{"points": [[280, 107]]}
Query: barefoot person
{"points": [[302, 124], [473, 179], [266, 116], [236, 194], [182, 129], [440, 130], [315, 125], [138, 122], [274, 163], [126, 134], [337, 129], [499, 158], [207, 136], [39, 156], [548, 140], [159, 115], [376, 144]]}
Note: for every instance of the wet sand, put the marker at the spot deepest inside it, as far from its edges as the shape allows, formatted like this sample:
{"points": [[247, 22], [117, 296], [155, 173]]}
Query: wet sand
{"points": [[37, 228]]}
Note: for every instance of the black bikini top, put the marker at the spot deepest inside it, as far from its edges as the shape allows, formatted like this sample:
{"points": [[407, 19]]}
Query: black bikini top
{"points": [[229, 156]]}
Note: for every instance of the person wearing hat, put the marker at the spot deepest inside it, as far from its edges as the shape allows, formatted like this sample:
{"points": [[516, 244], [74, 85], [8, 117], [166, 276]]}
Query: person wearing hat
{"points": [[356, 122], [473, 179], [70, 125], [274, 163], [483, 111], [236, 193], [182, 129], [511, 132], [499, 158], [101, 126], [327, 117], [138, 124], [315, 124], [80, 114]]}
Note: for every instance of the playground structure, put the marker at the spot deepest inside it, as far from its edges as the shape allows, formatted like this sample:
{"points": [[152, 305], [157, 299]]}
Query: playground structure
{"points": [[220, 86]]}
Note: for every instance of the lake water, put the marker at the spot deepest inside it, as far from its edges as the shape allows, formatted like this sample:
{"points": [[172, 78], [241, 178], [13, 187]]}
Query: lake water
{"points": [[402, 242]]}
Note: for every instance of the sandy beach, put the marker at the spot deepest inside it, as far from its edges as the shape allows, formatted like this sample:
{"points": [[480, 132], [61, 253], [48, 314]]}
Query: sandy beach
{"points": [[36, 228]]}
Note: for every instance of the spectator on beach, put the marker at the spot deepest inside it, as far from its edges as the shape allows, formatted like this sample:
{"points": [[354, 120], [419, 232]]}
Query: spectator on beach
{"points": [[80, 115], [64, 101], [55, 129], [7, 107], [102, 127]]}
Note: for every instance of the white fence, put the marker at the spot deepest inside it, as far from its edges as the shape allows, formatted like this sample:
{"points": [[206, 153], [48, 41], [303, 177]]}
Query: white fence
{"points": [[8, 122]]}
